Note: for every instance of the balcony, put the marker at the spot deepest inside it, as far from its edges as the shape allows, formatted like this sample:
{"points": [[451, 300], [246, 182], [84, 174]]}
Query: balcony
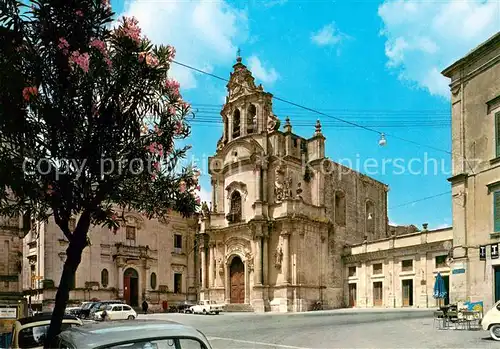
{"points": [[134, 252]]}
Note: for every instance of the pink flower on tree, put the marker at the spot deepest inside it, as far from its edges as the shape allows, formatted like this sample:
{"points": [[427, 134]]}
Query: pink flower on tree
{"points": [[179, 127], [142, 56], [198, 200], [171, 53], [106, 4], [172, 110], [63, 45], [50, 191], [151, 60], [82, 60], [79, 13], [100, 45], [156, 165], [29, 92], [130, 29], [172, 87]]}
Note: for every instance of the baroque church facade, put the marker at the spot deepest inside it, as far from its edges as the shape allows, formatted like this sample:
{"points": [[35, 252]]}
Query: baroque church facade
{"points": [[281, 211]]}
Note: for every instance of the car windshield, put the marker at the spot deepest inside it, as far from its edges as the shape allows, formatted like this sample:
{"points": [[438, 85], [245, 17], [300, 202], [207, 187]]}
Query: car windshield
{"points": [[87, 305], [167, 343], [109, 307], [32, 337]]}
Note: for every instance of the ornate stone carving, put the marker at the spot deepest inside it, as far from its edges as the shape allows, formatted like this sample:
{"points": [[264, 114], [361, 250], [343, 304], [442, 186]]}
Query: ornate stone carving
{"points": [[282, 184], [242, 187], [299, 189], [220, 265], [249, 260], [278, 256], [205, 210]]}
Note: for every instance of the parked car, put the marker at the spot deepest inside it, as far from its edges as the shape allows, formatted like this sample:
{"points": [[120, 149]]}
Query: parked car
{"points": [[185, 306], [101, 305], [117, 312], [491, 321], [142, 334], [206, 307], [30, 332]]}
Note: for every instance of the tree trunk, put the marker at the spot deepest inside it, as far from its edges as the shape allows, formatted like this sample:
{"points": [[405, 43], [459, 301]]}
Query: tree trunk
{"points": [[73, 259]]}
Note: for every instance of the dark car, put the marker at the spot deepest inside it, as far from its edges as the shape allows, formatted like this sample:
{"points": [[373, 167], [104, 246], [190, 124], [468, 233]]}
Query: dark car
{"points": [[89, 309]]}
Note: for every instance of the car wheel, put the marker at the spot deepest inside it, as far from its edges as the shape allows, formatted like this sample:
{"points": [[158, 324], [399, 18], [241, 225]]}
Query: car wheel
{"points": [[495, 332], [204, 312], [216, 313], [131, 317]]}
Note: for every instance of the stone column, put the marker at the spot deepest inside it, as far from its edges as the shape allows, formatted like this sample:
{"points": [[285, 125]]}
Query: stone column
{"points": [[286, 256], [264, 181], [214, 196], [203, 268], [247, 281], [258, 260], [265, 257], [211, 265], [258, 182], [120, 281], [227, 283]]}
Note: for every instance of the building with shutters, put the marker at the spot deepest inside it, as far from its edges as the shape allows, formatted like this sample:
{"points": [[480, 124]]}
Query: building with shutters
{"points": [[145, 259], [475, 181]]}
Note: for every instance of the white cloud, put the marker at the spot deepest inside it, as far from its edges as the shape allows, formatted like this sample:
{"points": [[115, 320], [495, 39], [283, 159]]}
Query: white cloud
{"points": [[425, 37], [269, 75], [204, 33], [328, 35]]}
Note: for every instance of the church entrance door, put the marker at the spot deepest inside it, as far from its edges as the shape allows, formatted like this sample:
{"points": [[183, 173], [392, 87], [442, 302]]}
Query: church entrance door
{"points": [[237, 277], [131, 287]]}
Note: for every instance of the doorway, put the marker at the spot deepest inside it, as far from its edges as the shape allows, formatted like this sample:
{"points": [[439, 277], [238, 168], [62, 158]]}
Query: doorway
{"points": [[496, 270], [407, 286], [446, 280], [352, 295], [237, 280], [131, 287], [377, 294]]}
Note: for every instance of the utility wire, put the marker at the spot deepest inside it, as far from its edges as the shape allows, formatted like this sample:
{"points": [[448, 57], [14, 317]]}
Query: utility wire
{"points": [[338, 119], [419, 200], [319, 112]]}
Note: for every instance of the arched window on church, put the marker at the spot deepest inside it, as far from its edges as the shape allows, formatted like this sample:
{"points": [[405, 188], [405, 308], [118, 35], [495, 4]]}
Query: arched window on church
{"points": [[235, 209], [236, 123], [340, 214], [370, 217], [104, 278], [251, 119]]}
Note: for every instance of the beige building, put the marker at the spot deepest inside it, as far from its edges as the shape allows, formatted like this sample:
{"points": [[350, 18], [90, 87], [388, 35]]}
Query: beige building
{"points": [[398, 271], [475, 101], [11, 235], [281, 211], [145, 259]]}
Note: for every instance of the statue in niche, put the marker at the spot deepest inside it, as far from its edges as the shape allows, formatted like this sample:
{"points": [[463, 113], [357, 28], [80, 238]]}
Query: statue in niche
{"points": [[249, 260], [205, 211], [299, 190], [278, 257], [279, 187], [220, 265]]}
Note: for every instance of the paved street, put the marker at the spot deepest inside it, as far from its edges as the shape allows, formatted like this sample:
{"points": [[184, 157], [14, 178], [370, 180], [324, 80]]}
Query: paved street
{"points": [[329, 329]]}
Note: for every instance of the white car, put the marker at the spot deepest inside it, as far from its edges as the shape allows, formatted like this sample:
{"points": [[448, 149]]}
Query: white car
{"points": [[491, 321], [206, 307], [117, 312]]}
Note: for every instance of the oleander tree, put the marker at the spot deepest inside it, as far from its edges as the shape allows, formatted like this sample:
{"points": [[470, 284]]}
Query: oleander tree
{"points": [[89, 120]]}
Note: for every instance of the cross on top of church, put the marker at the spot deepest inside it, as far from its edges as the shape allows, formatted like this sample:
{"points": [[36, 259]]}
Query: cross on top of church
{"points": [[238, 55]]}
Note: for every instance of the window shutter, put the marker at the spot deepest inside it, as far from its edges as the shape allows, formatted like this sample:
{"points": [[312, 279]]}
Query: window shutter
{"points": [[497, 134], [496, 211]]}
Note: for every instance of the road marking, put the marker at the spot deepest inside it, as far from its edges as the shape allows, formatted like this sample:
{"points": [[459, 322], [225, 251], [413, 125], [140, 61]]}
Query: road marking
{"points": [[259, 343]]}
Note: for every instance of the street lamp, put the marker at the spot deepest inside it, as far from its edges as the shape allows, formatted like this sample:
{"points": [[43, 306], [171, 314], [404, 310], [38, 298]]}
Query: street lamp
{"points": [[382, 141]]}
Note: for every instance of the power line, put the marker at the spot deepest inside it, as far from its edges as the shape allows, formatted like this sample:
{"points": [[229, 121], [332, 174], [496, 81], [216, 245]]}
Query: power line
{"points": [[422, 199], [370, 129]]}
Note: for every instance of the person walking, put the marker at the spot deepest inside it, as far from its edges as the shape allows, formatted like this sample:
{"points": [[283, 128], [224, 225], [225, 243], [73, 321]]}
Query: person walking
{"points": [[145, 307]]}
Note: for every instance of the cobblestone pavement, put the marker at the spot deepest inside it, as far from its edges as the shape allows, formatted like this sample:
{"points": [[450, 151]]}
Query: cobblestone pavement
{"points": [[330, 329]]}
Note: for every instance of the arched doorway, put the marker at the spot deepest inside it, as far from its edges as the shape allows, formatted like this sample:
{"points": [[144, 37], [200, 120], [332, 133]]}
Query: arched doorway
{"points": [[131, 287], [237, 280]]}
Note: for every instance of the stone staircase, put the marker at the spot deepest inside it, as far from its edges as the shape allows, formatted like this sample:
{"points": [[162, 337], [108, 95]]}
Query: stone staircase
{"points": [[238, 308]]}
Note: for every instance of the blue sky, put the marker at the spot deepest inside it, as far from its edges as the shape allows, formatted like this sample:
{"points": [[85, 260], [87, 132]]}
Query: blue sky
{"points": [[373, 63]]}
